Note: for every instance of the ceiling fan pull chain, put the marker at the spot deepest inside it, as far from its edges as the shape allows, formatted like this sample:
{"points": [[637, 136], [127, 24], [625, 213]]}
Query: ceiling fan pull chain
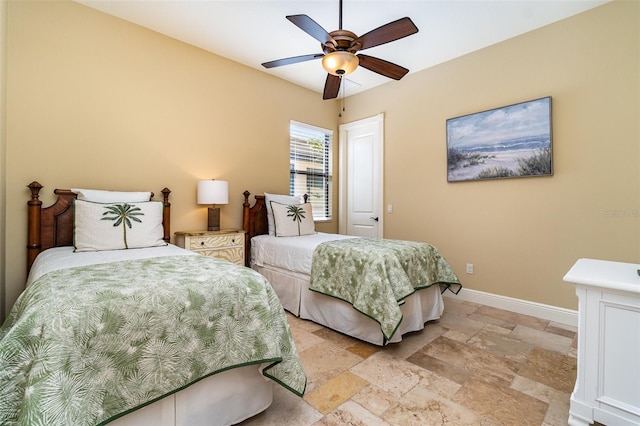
{"points": [[343, 82]]}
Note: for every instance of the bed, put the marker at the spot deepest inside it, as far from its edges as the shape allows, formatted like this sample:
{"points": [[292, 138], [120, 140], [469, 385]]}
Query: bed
{"points": [[396, 286], [148, 335]]}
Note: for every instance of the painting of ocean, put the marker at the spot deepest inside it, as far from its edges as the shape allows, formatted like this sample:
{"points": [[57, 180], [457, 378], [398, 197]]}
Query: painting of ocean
{"points": [[506, 142]]}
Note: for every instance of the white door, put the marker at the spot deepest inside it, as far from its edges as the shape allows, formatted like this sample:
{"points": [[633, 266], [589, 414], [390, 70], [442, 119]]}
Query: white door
{"points": [[361, 183]]}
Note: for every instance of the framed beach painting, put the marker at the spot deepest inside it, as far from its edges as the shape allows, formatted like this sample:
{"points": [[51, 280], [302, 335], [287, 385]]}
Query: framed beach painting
{"points": [[507, 142]]}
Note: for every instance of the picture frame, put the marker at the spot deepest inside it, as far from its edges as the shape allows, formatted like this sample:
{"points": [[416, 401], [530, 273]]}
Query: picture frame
{"points": [[507, 142]]}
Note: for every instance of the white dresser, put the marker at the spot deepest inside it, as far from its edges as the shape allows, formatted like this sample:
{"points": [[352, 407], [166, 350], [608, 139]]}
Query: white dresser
{"points": [[607, 386]]}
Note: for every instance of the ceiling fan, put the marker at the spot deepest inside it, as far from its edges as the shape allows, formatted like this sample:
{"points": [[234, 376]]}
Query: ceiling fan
{"points": [[340, 47]]}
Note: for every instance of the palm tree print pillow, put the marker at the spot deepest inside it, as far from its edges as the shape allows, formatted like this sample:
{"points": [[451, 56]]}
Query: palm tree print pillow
{"points": [[278, 198], [116, 226], [292, 220]]}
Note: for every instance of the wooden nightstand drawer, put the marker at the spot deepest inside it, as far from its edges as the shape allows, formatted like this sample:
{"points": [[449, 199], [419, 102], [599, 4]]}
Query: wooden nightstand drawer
{"points": [[217, 241], [231, 254], [226, 244]]}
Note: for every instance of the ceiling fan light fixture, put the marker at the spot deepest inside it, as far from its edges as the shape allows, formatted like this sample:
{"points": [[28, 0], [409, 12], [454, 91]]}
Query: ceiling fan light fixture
{"points": [[340, 62]]}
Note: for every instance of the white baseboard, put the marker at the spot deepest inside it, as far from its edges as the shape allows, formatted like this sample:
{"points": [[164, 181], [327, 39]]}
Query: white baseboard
{"points": [[538, 310]]}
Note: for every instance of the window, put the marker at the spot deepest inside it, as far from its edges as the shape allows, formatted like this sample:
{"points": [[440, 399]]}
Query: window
{"points": [[310, 166]]}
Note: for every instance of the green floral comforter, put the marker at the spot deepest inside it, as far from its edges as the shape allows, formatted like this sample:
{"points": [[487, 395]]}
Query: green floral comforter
{"points": [[83, 346], [375, 275]]}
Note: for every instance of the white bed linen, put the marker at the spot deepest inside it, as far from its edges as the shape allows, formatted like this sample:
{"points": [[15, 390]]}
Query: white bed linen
{"points": [[290, 253], [64, 257], [286, 263], [223, 399]]}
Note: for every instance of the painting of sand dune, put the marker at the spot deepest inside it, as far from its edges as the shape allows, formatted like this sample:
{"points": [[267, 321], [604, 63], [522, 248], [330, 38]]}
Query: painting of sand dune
{"points": [[506, 142]]}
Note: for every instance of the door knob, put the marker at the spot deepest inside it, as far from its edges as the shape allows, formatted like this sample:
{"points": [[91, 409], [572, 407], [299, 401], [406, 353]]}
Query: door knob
{"points": [[374, 218]]}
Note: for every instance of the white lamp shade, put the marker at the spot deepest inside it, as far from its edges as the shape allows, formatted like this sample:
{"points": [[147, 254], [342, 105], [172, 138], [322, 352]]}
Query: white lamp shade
{"points": [[213, 192]]}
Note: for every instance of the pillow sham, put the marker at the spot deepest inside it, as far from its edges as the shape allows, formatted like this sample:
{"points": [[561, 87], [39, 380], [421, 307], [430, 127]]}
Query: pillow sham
{"points": [[282, 199], [100, 196], [292, 220], [116, 226]]}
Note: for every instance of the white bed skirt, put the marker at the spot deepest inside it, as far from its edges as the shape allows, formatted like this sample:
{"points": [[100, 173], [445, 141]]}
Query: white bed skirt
{"points": [[293, 291], [223, 399]]}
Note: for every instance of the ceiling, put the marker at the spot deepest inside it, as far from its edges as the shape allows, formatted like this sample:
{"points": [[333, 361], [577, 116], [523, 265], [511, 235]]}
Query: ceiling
{"points": [[253, 32]]}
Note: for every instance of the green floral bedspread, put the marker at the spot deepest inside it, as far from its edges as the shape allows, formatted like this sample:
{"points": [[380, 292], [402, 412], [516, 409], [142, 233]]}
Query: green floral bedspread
{"points": [[83, 346], [376, 275]]}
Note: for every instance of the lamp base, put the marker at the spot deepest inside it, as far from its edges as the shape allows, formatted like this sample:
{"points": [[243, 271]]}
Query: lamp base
{"points": [[213, 221]]}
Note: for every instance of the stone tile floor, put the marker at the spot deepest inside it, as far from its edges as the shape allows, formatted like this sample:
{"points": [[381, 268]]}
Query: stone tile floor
{"points": [[476, 365]]}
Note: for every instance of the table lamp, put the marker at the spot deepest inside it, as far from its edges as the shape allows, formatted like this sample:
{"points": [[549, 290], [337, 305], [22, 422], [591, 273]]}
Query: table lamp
{"points": [[213, 192]]}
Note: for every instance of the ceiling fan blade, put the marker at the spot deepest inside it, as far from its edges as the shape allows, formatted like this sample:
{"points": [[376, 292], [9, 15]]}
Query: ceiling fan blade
{"points": [[331, 87], [312, 28], [380, 66], [292, 60], [392, 31]]}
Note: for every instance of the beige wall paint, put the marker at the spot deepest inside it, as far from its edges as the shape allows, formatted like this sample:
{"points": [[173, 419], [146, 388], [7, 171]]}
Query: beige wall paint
{"points": [[98, 102], [3, 156], [522, 235], [94, 101]]}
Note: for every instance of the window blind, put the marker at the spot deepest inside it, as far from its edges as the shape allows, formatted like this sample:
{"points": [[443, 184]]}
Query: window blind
{"points": [[310, 167]]}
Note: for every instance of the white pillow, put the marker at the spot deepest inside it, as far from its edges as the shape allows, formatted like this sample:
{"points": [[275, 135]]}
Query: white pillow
{"points": [[100, 196], [282, 199], [115, 226], [292, 220]]}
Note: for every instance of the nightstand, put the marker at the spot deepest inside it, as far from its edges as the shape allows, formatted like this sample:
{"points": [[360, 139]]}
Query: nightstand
{"points": [[227, 244]]}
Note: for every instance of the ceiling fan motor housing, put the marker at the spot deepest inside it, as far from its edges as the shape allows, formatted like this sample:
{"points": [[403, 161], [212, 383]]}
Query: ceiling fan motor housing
{"points": [[343, 40]]}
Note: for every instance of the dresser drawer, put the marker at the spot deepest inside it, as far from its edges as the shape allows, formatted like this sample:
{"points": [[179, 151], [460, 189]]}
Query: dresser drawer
{"points": [[215, 242]]}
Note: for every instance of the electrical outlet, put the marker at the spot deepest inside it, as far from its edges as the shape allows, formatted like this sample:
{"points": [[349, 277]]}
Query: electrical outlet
{"points": [[469, 268]]}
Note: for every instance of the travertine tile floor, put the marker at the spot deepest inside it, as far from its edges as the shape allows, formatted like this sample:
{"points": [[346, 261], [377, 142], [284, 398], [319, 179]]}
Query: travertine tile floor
{"points": [[476, 365]]}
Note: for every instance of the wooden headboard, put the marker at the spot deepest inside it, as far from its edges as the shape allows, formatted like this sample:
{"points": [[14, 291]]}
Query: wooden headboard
{"points": [[254, 221], [53, 226]]}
